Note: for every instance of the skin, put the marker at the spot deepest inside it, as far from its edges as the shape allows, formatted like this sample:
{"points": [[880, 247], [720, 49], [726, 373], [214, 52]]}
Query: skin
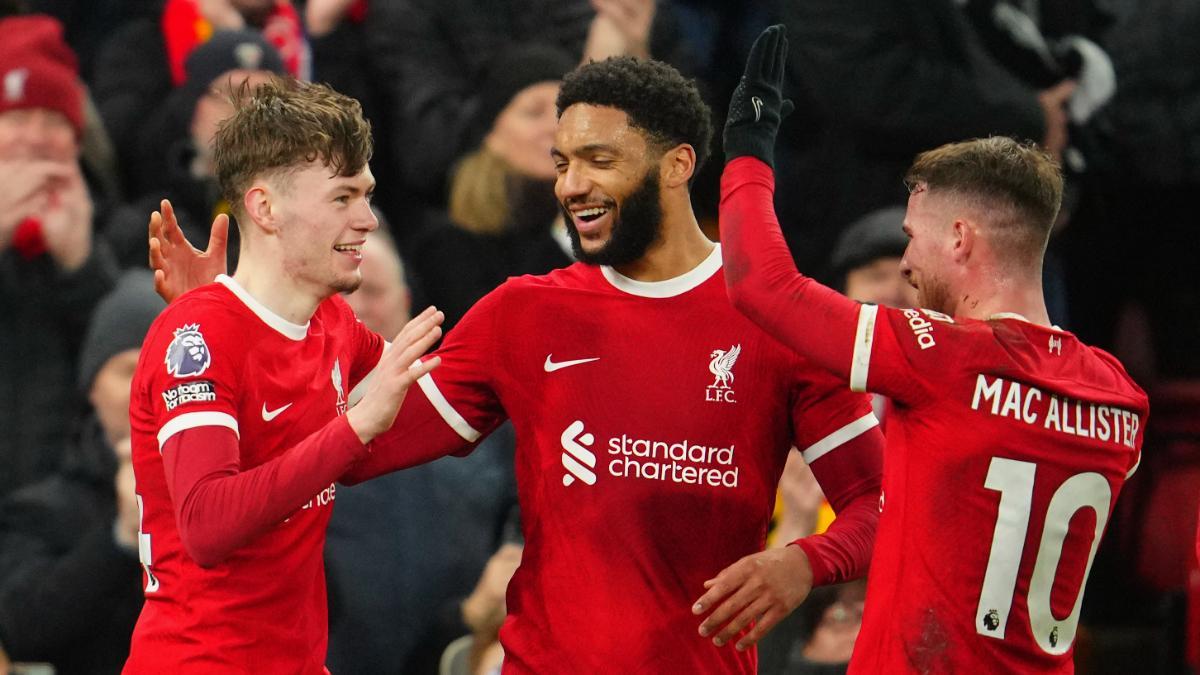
{"points": [[599, 160], [109, 394], [523, 132], [957, 267], [213, 108]]}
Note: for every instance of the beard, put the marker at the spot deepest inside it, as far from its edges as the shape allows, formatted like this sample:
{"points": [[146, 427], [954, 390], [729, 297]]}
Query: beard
{"points": [[636, 226], [933, 293]]}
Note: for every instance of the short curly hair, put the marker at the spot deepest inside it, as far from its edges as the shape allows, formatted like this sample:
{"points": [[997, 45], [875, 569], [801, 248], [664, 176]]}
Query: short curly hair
{"points": [[659, 101]]}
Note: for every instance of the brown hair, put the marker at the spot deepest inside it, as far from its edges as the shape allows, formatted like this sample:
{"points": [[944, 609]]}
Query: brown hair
{"points": [[283, 123], [1017, 185], [479, 200]]}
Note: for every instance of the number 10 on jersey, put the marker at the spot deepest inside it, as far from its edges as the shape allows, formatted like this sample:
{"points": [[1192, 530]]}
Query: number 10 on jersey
{"points": [[1014, 480]]}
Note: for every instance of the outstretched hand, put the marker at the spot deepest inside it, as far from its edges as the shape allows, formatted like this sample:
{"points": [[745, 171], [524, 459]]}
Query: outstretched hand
{"points": [[761, 588], [757, 106], [178, 266], [397, 370]]}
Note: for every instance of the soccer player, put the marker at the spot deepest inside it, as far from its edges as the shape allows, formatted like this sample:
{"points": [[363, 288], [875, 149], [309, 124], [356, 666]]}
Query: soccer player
{"points": [[1009, 439], [652, 420], [239, 401]]}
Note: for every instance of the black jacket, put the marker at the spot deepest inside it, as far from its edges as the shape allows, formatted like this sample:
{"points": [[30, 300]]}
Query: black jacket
{"points": [[68, 594]]}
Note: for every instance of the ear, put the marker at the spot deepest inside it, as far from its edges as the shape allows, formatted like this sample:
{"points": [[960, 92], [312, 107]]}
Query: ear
{"points": [[677, 165], [966, 236], [257, 204]]}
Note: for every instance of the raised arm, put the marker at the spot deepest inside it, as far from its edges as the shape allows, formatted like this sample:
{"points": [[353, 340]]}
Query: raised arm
{"points": [[760, 275], [178, 266]]}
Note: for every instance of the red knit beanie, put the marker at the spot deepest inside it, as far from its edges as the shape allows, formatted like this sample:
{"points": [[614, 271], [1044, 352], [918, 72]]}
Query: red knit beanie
{"points": [[38, 69]]}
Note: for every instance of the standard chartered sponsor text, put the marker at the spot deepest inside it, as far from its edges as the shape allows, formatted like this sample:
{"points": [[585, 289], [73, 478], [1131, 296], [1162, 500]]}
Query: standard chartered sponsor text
{"points": [[679, 462]]}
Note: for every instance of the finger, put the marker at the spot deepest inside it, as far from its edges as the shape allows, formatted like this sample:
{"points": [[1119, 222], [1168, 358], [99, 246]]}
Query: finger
{"points": [[724, 584], [763, 626], [754, 608], [726, 611], [171, 229], [419, 346], [421, 370], [417, 325], [160, 285], [787, 108], [157, 262], [155, 230], [218, 236], [779, 60]]}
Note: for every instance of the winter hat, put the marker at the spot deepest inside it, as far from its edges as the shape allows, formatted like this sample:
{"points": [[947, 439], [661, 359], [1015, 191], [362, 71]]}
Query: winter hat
{"points": [[227, 50], [512, 71], [38, 69], [119, 323], [878, 234]]}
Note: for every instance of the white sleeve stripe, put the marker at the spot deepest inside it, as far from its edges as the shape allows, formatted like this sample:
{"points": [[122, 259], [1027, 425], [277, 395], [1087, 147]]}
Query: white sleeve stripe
{"points": [[864, 336], [833, 441], [193, 420], [360, 389], [447, 411]]}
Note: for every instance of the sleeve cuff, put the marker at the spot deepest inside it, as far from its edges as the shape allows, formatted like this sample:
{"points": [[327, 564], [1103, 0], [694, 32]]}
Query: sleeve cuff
{"points": [[820, 570]]}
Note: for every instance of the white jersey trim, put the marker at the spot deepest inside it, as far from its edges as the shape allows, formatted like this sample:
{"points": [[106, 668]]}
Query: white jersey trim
{"points": [[292, 331], [864, 338], [193, 420], [457, 422], [841, 436], [667, 288]]}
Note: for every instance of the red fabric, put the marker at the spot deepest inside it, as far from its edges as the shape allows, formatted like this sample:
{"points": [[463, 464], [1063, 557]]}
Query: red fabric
{"points": [[233, 527], [219, 508], [28, 240], [1007, 446], [640, 472], [38, 68], [184, 28]]}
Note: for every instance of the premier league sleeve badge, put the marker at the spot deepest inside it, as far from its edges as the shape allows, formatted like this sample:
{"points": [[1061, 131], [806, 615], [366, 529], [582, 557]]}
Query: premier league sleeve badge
{"points": [[188, 355]]}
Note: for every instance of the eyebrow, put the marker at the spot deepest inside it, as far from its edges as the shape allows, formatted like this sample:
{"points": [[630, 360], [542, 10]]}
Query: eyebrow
{"points": [[351, 188], [589, 149]]}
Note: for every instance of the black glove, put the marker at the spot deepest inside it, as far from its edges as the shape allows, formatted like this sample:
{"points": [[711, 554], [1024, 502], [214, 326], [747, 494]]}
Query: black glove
{"points": [[758, 105]]}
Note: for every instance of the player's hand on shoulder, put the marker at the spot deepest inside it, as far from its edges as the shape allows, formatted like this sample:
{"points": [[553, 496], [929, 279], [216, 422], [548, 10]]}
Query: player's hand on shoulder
{"points": [[761, 588], [395, 373], [178, 266]]}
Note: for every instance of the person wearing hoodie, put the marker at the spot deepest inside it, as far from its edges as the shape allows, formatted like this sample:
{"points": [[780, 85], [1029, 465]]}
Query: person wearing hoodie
{"points": [[70, 588]]}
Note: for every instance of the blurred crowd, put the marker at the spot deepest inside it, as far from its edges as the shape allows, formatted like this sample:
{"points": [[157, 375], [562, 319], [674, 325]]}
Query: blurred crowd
{"points": [[109, 106]]}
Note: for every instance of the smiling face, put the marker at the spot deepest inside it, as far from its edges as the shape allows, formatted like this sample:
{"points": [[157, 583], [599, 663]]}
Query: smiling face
{"points": [[322, 222], [928, 260], [608, 182]]}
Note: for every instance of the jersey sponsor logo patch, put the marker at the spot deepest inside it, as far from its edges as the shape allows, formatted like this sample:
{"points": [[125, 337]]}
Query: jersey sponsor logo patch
{"points": [[721, 366], [1055, 345], [921, 327], [198, 391], [682, 461], [188, 354]]}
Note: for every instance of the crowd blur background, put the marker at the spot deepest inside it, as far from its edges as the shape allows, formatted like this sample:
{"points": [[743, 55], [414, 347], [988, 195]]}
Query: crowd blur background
{"points": [[109, 106]]}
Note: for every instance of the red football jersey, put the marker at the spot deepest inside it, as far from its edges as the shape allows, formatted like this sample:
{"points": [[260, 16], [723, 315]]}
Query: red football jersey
{"points": [[217, 357], [652, 423], [1008, 444]]}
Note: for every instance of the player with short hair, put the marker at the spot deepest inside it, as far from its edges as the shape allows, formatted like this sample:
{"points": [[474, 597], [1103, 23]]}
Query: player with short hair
{"points": [[652, 420], [1009, 439], [239, 402]]}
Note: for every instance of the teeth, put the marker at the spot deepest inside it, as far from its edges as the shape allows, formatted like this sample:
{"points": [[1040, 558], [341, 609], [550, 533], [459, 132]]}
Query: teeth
{"points": [[348, 247], [591, 212]]}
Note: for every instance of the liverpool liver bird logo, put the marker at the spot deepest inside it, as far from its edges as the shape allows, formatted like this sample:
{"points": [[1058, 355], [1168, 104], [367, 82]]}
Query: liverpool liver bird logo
{"points": [[721, 366]]}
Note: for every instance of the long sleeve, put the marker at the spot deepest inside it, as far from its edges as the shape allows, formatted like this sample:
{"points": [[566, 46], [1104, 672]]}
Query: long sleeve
{"points": [[762, 280], [219, 508], [850, 479]]}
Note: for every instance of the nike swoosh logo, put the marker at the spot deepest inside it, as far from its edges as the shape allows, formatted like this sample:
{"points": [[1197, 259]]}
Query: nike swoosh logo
{"points": [[551, 366], [269, 415], [758, 104]]}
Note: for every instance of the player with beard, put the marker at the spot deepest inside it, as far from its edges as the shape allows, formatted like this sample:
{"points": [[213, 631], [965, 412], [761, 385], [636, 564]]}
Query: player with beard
{"points": [[653, 421], [1008, 441], [239, 401]]}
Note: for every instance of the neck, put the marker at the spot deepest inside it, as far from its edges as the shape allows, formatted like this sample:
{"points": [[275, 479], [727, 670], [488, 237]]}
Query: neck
{"points": [[269, 284], [1005, 295], [680, 248]]}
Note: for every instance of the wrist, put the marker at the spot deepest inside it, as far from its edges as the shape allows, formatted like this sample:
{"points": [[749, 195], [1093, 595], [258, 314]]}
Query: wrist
{"points": [[359, 421]]}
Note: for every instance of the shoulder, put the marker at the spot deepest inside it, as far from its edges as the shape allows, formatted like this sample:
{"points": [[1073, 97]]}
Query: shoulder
{"points": [[188, 331]]}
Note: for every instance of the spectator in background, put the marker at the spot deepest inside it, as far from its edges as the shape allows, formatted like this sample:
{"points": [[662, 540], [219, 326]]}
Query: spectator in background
{"points": [[503, 218], [69, 573], [404, 550], [51, 271], [866, 260], [876, 83], [192, 112], [431, 55], [142, 63]]}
